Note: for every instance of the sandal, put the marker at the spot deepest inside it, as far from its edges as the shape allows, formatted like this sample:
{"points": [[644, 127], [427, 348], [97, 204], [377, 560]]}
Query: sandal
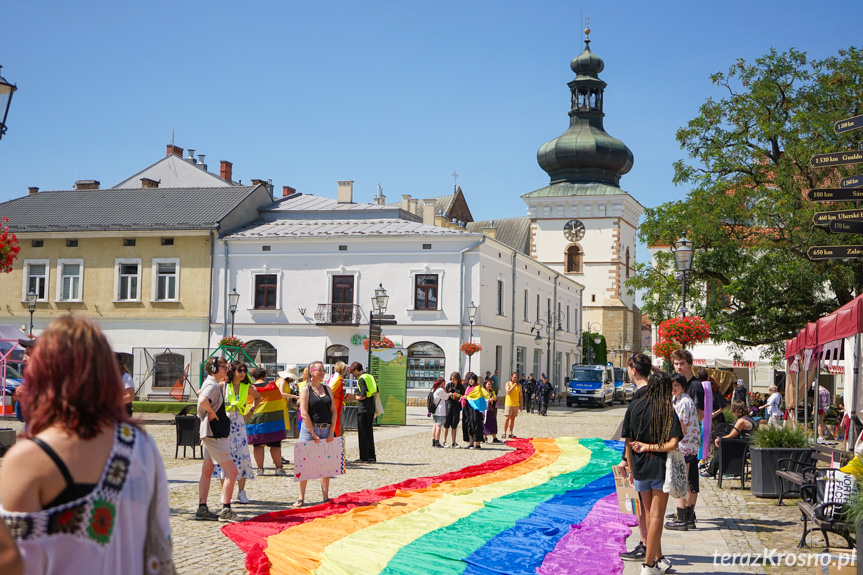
{"points": [[327, 500], [299, 503]]}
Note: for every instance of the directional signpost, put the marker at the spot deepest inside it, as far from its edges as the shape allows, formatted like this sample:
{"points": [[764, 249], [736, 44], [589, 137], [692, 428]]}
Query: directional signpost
{"points": [[835, 195], [824, 218], [834, 252], [836, 159], [839, 227], [848, 125], [851, 181]]}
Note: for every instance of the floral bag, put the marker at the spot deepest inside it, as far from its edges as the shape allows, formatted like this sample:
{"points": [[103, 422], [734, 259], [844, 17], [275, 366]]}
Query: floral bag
{"points": [[675, 475]]}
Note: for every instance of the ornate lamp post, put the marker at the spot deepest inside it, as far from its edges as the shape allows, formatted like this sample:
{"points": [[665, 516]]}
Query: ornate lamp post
{"points": [[31, 307], [379, 306], [6, 91], [471, 316], [552, 317], [233, 301], [597, 340], [683, 262]]}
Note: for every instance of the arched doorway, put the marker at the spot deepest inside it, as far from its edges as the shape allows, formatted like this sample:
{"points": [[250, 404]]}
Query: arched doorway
{"points": [[336, 353], [265, 348], [426, 362]]}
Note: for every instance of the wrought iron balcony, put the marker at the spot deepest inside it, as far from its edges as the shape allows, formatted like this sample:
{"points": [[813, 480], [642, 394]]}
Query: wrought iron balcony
{"points": [[338, 314]]}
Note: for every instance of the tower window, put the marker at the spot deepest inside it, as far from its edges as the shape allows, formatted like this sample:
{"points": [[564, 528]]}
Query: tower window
{"points": [[573, 259], [627, 262]]}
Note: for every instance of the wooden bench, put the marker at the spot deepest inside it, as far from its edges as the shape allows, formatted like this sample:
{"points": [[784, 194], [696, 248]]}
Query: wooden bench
{"points": [[825, 512], [794, 474]]}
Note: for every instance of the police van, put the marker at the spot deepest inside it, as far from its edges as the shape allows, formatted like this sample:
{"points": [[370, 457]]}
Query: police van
{"points": [[590, 385]]}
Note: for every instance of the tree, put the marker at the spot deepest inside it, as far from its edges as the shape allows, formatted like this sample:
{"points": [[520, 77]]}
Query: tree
{"points": [[747, 211]]}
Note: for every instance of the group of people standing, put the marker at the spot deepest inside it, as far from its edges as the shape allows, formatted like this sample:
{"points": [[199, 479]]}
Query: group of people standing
{"points": [[537, 394], [238, 409]]}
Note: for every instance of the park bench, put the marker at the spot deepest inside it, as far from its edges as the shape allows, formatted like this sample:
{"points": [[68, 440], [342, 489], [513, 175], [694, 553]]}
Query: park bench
{"points": [[823, 506], [794, 474]]}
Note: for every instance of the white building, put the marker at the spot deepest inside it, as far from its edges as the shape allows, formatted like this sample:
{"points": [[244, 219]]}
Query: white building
{"points": [[307, 269]]}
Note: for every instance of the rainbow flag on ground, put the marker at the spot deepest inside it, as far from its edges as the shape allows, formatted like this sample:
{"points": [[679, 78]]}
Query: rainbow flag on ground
{"points": [[548, 507]]}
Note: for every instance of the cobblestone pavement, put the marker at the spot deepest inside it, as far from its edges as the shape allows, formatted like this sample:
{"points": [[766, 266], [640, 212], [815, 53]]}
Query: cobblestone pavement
{"points": [[730, 520]]}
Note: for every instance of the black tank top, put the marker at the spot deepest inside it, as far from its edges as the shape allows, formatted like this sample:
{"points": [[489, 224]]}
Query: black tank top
{"points": [[319, 407], [73, 490]]}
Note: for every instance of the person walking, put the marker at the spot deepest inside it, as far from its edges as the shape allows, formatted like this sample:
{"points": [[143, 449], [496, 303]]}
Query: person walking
{"points": [[238, 390], [319, 413], [513, 403], [528, 393], [652, 429], [544, 389], [454, 390], [77, 487], [365, 411]]}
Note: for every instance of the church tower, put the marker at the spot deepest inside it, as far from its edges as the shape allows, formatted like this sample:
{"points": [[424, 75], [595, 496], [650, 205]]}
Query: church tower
{"points": [[583, 224]]}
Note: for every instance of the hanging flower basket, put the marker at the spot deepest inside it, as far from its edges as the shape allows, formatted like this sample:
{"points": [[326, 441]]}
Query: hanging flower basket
{"points": [[684, 330], [664, 349], [383, 343], [470, 348], [232, 342], [9, 247]]}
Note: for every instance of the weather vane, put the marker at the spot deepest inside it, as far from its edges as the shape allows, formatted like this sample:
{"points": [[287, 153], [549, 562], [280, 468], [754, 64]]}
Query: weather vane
{"points": [[454, 180]]}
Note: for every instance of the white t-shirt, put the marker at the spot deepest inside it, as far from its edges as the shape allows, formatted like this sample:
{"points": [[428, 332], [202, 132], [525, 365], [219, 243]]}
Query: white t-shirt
{"points": [[773, 404], [128, 382], [440, 396]]}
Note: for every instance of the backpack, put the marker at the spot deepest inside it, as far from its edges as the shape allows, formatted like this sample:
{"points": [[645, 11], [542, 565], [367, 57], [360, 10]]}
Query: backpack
{"points": [[431, 404]]}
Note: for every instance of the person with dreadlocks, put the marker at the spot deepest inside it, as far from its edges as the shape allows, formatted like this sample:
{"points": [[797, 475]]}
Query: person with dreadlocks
{"points": [[652, 429]]}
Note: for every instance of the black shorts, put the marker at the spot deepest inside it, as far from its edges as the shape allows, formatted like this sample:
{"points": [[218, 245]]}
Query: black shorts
{"points": [[274, 444], [452, 416], [692, 473]]}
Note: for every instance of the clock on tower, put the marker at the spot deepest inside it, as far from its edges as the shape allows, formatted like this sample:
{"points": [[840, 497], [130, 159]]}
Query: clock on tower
{"points": [[573, 230]]}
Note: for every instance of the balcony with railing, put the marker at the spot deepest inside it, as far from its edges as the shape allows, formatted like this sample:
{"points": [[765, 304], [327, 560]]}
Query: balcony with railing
{"points": [[338, 314]]}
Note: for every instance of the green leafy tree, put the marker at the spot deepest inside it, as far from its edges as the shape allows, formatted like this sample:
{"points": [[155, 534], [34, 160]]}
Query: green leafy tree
{"points": [[747, 213]]}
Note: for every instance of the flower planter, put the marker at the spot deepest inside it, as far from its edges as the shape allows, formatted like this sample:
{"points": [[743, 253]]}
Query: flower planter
{"points": [[765, 464]]}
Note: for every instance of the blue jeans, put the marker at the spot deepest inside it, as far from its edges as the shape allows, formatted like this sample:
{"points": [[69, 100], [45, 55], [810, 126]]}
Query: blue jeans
{"points": [[306, 435], [642, 485]]}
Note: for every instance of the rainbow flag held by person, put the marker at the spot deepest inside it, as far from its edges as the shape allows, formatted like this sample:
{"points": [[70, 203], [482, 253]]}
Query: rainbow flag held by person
{"points": [[267, 423], [547, 507]]}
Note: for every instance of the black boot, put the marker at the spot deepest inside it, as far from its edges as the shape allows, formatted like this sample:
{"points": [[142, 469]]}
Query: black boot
{"points": [[690, 518], [681, 523]]}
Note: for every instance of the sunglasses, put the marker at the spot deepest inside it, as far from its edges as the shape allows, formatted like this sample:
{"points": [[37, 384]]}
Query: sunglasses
{"points": [[242, 370]]}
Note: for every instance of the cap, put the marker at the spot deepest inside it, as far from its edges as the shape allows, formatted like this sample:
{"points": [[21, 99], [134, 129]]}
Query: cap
{"points": [[543, 375], [27, 342], [290, 372], [739, 382]]}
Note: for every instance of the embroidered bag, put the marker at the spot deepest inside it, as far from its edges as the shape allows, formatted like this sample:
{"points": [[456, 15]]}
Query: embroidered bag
{"points": [[675, 474], [158, 559]]}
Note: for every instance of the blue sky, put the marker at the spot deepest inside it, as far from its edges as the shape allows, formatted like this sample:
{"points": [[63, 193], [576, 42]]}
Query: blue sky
{"points": [[400, 94]]}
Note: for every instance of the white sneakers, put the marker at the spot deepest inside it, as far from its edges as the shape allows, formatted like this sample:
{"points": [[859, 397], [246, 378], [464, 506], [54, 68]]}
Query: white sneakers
{"points": [[241, 497], [281, 472], [655, 570]]}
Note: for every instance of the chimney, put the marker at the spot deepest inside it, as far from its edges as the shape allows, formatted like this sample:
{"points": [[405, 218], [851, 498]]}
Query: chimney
{"points": [[288, 191], [490, 230], [192, 156], [440, 220], [226, 170], [87, 185], [428, 212], [32, 190], [172, 149], [148, 183], [345, 192], [257, 182], [414, 206], [201, 161], [406, 202]]}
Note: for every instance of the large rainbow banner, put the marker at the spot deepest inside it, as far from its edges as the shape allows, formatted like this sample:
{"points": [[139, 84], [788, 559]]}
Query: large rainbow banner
{"points": [[548, 507]]}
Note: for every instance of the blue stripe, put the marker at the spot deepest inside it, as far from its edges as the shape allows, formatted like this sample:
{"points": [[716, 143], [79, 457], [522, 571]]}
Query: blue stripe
{"points": [[265, 427]]}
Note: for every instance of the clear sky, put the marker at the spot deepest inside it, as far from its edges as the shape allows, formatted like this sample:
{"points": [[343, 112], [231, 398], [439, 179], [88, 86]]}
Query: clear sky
{"points": [[396, 93]]}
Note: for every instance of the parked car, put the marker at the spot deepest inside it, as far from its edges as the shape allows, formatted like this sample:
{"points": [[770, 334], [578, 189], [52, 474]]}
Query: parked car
{"points": [[624, 389], [590, 385]]}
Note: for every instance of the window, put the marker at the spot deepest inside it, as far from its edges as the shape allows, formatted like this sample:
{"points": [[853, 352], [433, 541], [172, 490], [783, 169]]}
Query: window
{"points": [[166, 279], [167, 241], [37, 243], [265, 291], [537, 363], [567, 317], [520, 354], [426, 292], [71, 243], [169, 370], [128, 243], [128, 280], [426, 362], [69, 286], [573, 259], [35, 279], [537, 307], [500, 297], [627, 262], [265, 248], [498, 356], [426, 246], [526, 296]]}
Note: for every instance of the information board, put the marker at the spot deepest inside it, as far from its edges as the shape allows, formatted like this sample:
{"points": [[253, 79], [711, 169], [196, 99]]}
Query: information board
{"points": [[389, 367]]}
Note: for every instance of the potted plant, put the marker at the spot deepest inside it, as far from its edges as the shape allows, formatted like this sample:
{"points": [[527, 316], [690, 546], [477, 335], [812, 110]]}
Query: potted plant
{"points": [[769, 444]]}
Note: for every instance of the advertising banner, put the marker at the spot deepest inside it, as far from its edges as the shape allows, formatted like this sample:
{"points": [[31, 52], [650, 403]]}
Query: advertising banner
{"points": [[389, 367]]}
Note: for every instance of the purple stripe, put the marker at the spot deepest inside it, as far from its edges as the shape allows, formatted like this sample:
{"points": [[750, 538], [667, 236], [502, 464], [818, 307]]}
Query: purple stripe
{"points": [[266, 437], [592, 546]]}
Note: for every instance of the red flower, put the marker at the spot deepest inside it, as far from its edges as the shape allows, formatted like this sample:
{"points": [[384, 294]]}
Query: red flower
{"points": [[101, 521], [468, 348]]}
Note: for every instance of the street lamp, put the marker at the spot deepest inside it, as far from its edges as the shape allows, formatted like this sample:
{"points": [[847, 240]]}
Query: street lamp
{"points": [[31, 307], [233, 301], [6, 91], [552, 317], [683, 262], [597, 340], [379, 306], [619, 348], [471, 315], [381, 299]]}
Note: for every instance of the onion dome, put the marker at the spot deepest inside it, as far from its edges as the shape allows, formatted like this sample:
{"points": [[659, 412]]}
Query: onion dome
{"points": [[586, 152]]}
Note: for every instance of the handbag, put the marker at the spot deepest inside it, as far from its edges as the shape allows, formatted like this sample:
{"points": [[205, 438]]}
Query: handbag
{"points": [[158, 551], [675, 475], [379, 407]]}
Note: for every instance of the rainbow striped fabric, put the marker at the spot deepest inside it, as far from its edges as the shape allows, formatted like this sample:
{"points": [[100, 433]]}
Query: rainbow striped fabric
{"points": [[548, 507], [267, 423]]}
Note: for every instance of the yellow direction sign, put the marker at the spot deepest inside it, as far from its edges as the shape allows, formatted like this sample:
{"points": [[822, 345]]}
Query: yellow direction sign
{"points": [[824, 218], [834, 252]]}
